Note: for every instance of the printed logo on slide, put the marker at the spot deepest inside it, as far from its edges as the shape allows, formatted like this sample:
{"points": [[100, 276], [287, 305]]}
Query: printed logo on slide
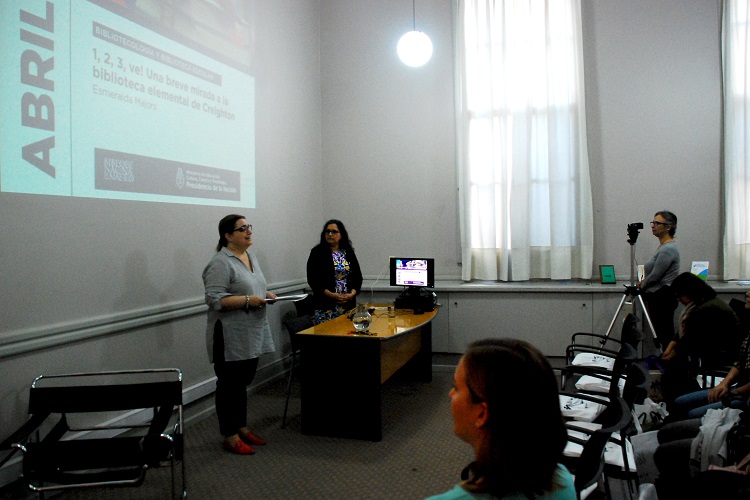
{"points": [[180, 178]]}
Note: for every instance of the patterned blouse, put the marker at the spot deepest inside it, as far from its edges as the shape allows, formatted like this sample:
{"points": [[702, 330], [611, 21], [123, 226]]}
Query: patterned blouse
{"points": [[341, 271]]}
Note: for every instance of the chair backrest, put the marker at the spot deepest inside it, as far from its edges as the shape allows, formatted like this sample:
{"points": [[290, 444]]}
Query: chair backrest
{"points": [[295, 325], [637, 382], [616, 418], [625, 357], [304, 307], [590, 465], [95, 392], [631, 334]]}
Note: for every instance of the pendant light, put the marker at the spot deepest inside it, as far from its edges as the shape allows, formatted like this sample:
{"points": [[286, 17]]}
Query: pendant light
{"points": [[414, 48]]}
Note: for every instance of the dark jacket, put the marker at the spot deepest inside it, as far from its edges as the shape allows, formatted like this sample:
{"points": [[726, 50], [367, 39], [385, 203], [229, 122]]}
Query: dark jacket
{"points": [[320, 277], [711, 333]]}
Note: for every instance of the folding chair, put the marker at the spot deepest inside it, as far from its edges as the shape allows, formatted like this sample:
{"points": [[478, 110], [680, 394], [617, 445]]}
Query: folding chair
{"points": [[294, 325]]}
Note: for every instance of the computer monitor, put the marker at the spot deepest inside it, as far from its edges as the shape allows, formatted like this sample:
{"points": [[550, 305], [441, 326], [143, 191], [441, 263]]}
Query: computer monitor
{"points": [[412, 272]]}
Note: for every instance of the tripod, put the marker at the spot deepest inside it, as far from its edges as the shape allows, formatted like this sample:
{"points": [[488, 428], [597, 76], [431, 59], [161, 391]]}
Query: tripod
{"points": [[632, 290]]}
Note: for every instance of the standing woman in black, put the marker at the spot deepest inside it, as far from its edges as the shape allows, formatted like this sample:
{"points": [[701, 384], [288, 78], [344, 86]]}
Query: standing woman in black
{"points": [[333, 273]]}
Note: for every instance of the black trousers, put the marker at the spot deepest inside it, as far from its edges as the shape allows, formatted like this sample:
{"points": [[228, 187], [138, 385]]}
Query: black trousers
{"points": [[232, 379], [661, 305], [672, 458]]}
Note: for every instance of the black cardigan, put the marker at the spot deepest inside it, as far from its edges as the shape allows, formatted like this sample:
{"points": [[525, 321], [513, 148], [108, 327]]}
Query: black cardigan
{"points": [[320, 277]]}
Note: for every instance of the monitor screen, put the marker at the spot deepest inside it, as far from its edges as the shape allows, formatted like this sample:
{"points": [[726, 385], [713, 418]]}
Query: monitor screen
{"points": [[416, 272]]}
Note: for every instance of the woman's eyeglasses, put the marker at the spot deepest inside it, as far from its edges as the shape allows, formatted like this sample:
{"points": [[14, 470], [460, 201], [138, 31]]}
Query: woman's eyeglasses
{"points": [[244, 228], [331, 231], [657, 223]]}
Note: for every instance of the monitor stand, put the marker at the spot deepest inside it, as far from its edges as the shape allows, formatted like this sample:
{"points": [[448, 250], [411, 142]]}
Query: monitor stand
{"points": [[413, 298]]}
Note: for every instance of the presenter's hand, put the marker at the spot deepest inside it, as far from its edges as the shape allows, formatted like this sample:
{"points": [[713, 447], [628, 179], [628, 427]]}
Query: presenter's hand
{"points": [[257, 302]]}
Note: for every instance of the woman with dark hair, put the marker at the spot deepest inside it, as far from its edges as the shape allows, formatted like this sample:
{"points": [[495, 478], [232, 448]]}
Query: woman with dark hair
{"points": [[333, 273], [237, 332], [505, 405], [660, 270], [708, 336], [673, 456]]}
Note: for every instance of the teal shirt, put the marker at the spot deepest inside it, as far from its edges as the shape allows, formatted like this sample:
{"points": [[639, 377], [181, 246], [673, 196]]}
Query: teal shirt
{"points": [[565, 491]]}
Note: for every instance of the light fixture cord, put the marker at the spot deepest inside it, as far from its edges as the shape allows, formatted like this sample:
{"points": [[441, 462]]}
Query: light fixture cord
{"points": [[414, 13]]}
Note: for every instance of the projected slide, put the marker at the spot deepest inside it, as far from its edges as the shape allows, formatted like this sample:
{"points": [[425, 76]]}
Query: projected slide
{"points": [[149, 100]]}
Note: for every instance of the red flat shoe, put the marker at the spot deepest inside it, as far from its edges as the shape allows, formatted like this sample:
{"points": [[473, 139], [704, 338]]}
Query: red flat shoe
{"points": [[239, 447], [252, 438]]}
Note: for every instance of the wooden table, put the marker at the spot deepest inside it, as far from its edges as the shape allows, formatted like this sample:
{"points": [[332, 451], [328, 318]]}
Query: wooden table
{"points": [[342, 371]]}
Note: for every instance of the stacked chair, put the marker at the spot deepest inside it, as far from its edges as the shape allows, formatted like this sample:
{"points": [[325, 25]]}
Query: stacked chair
{"points": [[583, 351], [590, 465], [586, 452], [600, 386]]}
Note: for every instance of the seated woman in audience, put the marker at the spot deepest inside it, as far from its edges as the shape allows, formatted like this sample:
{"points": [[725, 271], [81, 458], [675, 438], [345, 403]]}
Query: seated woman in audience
{"points": [[733, 391], [505, 405], [708, 335], [673, 456]]}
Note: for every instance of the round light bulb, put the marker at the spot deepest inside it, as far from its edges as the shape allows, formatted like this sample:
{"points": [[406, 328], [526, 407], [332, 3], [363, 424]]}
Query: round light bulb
{"points": [[414, 49]]}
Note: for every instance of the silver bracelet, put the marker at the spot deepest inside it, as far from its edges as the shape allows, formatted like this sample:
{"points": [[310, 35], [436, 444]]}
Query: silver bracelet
{"points": [[247, 302]]}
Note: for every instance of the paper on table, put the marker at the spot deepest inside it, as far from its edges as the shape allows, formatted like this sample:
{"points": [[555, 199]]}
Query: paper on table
{"points": [[287, 297]]}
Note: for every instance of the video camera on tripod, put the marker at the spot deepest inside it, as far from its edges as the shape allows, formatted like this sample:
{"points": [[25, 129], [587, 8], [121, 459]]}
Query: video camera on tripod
{"points": [[632, 290], [633, 229]]}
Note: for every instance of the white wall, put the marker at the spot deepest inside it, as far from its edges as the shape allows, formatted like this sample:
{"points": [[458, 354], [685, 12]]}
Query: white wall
{"points": [[388, 132], [653, 97]]}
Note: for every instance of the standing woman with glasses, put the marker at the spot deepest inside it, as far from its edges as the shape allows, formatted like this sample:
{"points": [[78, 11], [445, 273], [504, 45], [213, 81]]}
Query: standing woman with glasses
{"points": [[238, 331], [660, 270], [333, 273]]}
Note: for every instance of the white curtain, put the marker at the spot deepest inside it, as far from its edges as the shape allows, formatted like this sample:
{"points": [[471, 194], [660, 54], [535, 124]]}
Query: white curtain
{"points": [[735, 43], [524, 188]]}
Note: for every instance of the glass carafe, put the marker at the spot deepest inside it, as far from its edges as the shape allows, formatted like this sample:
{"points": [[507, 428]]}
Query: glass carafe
{"points": [[362, 319]]}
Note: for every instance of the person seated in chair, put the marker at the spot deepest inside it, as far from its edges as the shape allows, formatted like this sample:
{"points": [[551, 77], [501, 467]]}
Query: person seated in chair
{"points": [[708, 336], [517, 449], [672, 457], [732, 392]]}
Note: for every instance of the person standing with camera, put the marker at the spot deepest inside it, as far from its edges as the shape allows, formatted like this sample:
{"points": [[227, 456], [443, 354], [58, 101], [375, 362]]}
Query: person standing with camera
{"points": [[660, 270]]}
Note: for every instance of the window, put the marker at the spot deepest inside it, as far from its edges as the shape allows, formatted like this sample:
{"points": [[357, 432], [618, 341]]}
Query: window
{"points": [[736, 69], [525, 195]]}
